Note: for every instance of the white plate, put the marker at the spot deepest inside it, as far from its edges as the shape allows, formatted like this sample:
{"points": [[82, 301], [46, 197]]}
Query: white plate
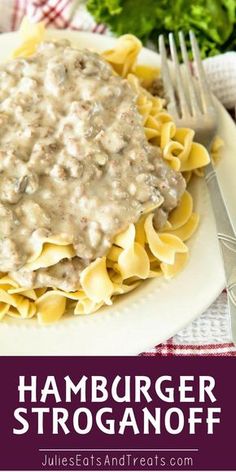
{"points": [[157, 309]]}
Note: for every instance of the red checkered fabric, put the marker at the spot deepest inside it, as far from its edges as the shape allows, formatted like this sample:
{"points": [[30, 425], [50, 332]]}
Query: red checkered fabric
{"points": [[171, 349], [72, 14], [55, 14]]}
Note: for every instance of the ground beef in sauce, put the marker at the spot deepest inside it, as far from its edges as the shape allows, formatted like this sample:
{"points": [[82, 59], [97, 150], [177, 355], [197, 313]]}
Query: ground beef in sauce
{"points": [[157, 88], [74, 160]]}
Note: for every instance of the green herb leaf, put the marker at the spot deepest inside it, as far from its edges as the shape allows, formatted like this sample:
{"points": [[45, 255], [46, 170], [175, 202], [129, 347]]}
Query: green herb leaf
{"points": [[213, 21]]}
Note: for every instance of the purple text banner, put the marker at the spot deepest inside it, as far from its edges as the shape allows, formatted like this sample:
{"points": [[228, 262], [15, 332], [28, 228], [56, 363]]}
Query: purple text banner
{"points": [[117, 413]]}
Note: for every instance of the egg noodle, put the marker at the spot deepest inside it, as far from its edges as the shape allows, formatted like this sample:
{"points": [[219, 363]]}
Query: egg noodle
{"points": [[138, 253]]}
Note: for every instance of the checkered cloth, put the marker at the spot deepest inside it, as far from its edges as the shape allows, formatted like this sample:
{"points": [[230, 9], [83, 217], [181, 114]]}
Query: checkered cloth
{"points": [[210, 333]]}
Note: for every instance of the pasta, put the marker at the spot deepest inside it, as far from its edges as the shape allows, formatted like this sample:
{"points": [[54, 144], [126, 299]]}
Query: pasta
{"points": [[140, 251]]}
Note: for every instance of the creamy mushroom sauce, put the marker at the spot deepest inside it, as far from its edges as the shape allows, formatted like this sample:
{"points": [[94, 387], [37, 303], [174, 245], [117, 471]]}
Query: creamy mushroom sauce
{"points": [[74, 161]]}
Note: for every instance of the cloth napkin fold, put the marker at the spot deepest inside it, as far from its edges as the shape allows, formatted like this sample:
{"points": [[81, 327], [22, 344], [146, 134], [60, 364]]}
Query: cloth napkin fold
{"points": [[210, 333], [221, 74]]}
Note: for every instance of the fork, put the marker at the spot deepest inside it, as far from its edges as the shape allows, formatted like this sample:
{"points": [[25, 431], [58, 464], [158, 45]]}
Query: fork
{"points": [[191, 105]]}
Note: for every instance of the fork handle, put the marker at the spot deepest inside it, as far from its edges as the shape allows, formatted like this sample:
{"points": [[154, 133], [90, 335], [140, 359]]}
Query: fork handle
{"points": [[227, 240]]}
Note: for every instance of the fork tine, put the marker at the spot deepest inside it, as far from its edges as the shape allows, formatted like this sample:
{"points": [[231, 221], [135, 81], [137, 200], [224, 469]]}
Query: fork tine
{"points": [[169, 89], [190, 85], [206, 96], [183, 104]]}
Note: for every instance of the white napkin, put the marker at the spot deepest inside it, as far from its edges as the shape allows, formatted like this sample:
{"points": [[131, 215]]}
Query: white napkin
{"points": [[213, 326], [221, 74]]}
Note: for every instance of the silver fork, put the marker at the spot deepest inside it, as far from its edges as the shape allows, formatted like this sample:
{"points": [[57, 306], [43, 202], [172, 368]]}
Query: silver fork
{"points": [[191, 104]]}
